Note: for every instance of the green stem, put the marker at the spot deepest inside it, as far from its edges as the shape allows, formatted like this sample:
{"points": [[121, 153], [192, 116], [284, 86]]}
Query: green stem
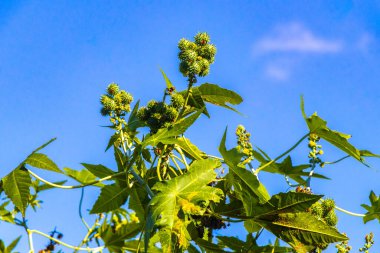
{"points": [[30, 241], [186, 99], [341, 159], [93, 250], [80, 210], [182, 155], [158, 169], [130, 166], [75, 186], [176, 164], [282, 155], [348, 212]]}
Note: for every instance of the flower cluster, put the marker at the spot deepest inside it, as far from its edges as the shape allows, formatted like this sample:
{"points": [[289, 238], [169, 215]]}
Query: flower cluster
{"points": [[116, 103], [315, 150], [157, 115], [368, 243], [196, 56], [343, 247], [244, 143]]}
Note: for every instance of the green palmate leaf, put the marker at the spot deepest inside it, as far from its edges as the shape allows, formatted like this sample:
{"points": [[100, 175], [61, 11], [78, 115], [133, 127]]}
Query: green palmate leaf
{"points": [[300, 228], [233, 243], [239, 246], [180, 193], [209, 246], [98, 170], [43, 145], [373, 211], [368, 153], [168, 83], [340, 140], [111, 197], [42, 161], [16, 185], [248, 182], [288, 202], [133, 120], [216, 95], [12, 245], [164, 134], [189, 148], [112, 140], [138, 201], [6, 215], [287, 168], [136, 246], [115, 240], [82, 176], [195, 100]]}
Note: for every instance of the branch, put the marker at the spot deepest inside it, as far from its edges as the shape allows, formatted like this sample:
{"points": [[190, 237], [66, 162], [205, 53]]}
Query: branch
{"points": [[282, 155], [75, 186], [94, 250]]}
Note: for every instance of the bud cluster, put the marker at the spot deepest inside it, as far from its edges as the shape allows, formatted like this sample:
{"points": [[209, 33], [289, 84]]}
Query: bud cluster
{"points": [[196, 57], [368, 243], [157, 115], [116, 102], [343, 247], [244, 145], [315, 150]]}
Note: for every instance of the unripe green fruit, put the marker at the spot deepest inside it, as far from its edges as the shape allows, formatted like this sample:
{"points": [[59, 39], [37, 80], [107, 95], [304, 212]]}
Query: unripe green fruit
{"points": [[113, 89], [202, 39], [142, 114], [328, 205], [204, 72], [125, 97], [171, 113], [151, 104], [177, 101], [184, 44], [110, 105], [208, 52], [331, 218], [104, 99], [195, 68], [184, 68], [188, 55], [317, 210], [104, 111]]}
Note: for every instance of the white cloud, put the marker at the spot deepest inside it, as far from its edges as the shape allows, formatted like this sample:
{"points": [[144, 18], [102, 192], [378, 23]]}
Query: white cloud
{"points": [[294, 37], [277, 73]]}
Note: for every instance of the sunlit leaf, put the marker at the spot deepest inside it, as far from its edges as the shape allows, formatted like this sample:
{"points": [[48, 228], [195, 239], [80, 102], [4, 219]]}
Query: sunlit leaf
{"points": [[42, 161], [16, 185], [111, 197]]}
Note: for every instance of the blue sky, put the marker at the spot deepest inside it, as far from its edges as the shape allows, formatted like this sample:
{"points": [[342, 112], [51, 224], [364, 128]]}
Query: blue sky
{"points": [[57, 57]]}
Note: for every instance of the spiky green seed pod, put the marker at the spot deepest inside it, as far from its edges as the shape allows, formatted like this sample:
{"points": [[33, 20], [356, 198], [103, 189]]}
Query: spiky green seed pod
{"points": [[208, 52], [151, 104], [184, 68], [109, 105], [104, 112], [113, 89], [195, 68], [177, 100], [328, 205], [171, 113], [331, 218], [125, 97], [202, 39], [188, 55], [142, 114], [104, 99], [317, 209], [184, 44], [205, 66]]}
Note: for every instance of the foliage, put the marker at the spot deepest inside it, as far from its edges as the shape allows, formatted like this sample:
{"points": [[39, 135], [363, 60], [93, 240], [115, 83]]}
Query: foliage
{"points": [[166, 195]]}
